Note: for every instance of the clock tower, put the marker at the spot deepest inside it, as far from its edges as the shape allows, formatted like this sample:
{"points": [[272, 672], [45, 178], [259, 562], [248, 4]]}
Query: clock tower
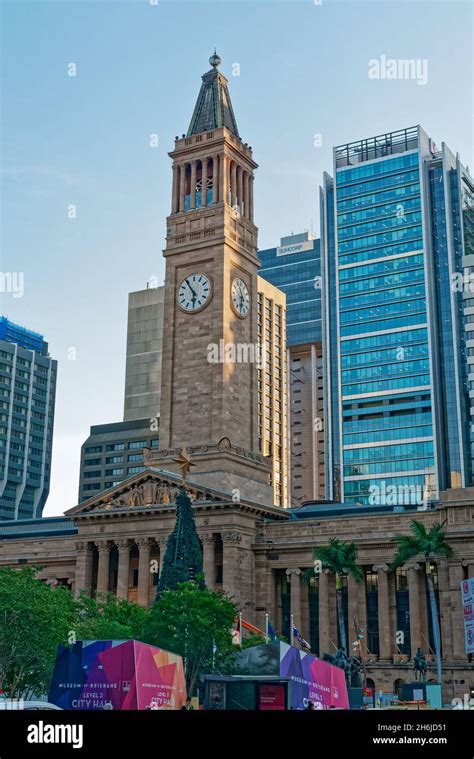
{"points": [[209, 381]]}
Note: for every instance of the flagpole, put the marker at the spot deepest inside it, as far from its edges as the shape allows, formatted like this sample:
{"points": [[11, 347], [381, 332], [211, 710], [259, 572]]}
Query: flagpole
{"points": [[240, 628], [266, 627], [291, 628]]}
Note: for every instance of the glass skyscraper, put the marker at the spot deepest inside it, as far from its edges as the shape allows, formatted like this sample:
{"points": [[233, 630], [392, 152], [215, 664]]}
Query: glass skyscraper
{"points": [[394, 321], [27, 399], [295, 267]]}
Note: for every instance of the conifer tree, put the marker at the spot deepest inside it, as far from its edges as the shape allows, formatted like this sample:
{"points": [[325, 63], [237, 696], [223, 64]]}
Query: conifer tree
{"points": [[183, 556]]}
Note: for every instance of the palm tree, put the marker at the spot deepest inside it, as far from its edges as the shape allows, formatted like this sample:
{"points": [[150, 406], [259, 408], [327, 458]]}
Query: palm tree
{"points": [[340, 558], [428, 543]]}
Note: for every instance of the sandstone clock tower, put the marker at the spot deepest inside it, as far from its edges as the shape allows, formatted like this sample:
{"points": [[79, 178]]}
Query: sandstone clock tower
{"points": [[209, 365]]}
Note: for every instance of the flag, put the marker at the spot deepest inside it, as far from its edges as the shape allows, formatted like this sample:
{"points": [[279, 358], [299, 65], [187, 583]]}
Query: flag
{"points": [[303, 643], [270, 631]]}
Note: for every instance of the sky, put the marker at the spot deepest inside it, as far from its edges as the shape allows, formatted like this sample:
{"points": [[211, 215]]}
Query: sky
{"points": [[84, 194]]}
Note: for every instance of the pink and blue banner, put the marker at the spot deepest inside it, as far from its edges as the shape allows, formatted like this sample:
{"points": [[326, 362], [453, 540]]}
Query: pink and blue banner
{"points": [[313, 679], [112, 674]]}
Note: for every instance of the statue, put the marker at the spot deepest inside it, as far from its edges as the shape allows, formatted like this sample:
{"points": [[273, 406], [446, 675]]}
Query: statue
{"points": [[350, 665], [420, 665]]}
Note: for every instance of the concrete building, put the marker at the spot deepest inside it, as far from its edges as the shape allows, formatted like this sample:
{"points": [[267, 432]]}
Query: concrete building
{"points": [[113, 452], [144, 347], [27, 400], [295, 268], [272, 386], [397, 393]]}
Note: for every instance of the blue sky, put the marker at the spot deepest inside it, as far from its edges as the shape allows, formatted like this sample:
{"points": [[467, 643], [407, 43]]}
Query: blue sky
{"points": [[84, 141]]}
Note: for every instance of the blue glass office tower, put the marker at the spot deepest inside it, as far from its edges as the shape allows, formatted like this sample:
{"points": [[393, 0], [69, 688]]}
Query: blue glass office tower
{"points": [[27, 398], [394, 321], [295, 268]]}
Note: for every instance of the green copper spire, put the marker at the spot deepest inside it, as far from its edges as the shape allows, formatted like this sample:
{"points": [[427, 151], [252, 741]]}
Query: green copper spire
{"points": [[213, 107]]}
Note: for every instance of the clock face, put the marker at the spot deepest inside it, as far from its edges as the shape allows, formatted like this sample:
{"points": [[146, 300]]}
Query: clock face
{"points": [[194, 292], [240, 297]]}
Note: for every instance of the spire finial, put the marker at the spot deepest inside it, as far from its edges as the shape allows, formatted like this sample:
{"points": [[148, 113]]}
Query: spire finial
{"points": [[214, 60]]}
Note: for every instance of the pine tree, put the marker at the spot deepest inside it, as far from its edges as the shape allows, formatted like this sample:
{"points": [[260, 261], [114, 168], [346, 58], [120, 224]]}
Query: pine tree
{"points": [[183, 556]]}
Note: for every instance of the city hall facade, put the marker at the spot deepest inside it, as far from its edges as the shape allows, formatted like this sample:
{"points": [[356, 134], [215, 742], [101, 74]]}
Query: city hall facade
{"points": [[258, 555]]}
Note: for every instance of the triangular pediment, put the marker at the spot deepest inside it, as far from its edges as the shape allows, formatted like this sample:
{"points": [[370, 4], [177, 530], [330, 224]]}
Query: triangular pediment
{"points": [[152, 488]]}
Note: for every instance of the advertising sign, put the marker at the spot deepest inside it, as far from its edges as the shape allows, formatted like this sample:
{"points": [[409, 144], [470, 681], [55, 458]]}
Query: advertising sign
{"points": [[311, 679], [467, 596], [114, 674], [271, 697]]}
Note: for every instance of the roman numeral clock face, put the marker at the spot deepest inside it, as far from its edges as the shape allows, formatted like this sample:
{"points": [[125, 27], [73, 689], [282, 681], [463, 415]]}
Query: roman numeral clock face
{"points": [[240, 297], [194, 293]]}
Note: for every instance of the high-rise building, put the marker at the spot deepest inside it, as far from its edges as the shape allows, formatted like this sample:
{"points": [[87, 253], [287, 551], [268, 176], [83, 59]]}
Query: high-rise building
{"points": [[272, 386], [397, 399], [113, 452], [295, 267], [27, 400], [144, 345]]}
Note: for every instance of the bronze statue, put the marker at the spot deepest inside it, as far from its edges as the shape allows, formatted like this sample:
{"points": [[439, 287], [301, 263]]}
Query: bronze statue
{"points": [[420, 665]]}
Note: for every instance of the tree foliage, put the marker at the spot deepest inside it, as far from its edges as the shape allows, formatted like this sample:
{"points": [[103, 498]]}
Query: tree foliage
{"points": [[427, 543], [34, 618], [341, 558], [109, 618], [197, 624]]}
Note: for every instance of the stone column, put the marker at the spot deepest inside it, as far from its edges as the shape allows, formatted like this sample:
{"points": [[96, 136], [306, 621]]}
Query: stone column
{"points": [[352, 607], [385, 643], [456, 575], [104, 566], [251, 197], [162, 542], [305, 623], [192, 190], [294, 575], [246, 194], [231, 540], [414, 606], [144, 548], [233, 184], [445, 609], [123, 568], [240, 189], [271, 600], [204, 182], [175, 197], [209, 559], [324, 644], [223, 179], [215, 179], [83, 579], [182, 179]]}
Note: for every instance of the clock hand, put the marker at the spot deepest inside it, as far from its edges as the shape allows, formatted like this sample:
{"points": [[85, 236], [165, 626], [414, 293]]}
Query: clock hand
{"points": [[193, 292]]}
